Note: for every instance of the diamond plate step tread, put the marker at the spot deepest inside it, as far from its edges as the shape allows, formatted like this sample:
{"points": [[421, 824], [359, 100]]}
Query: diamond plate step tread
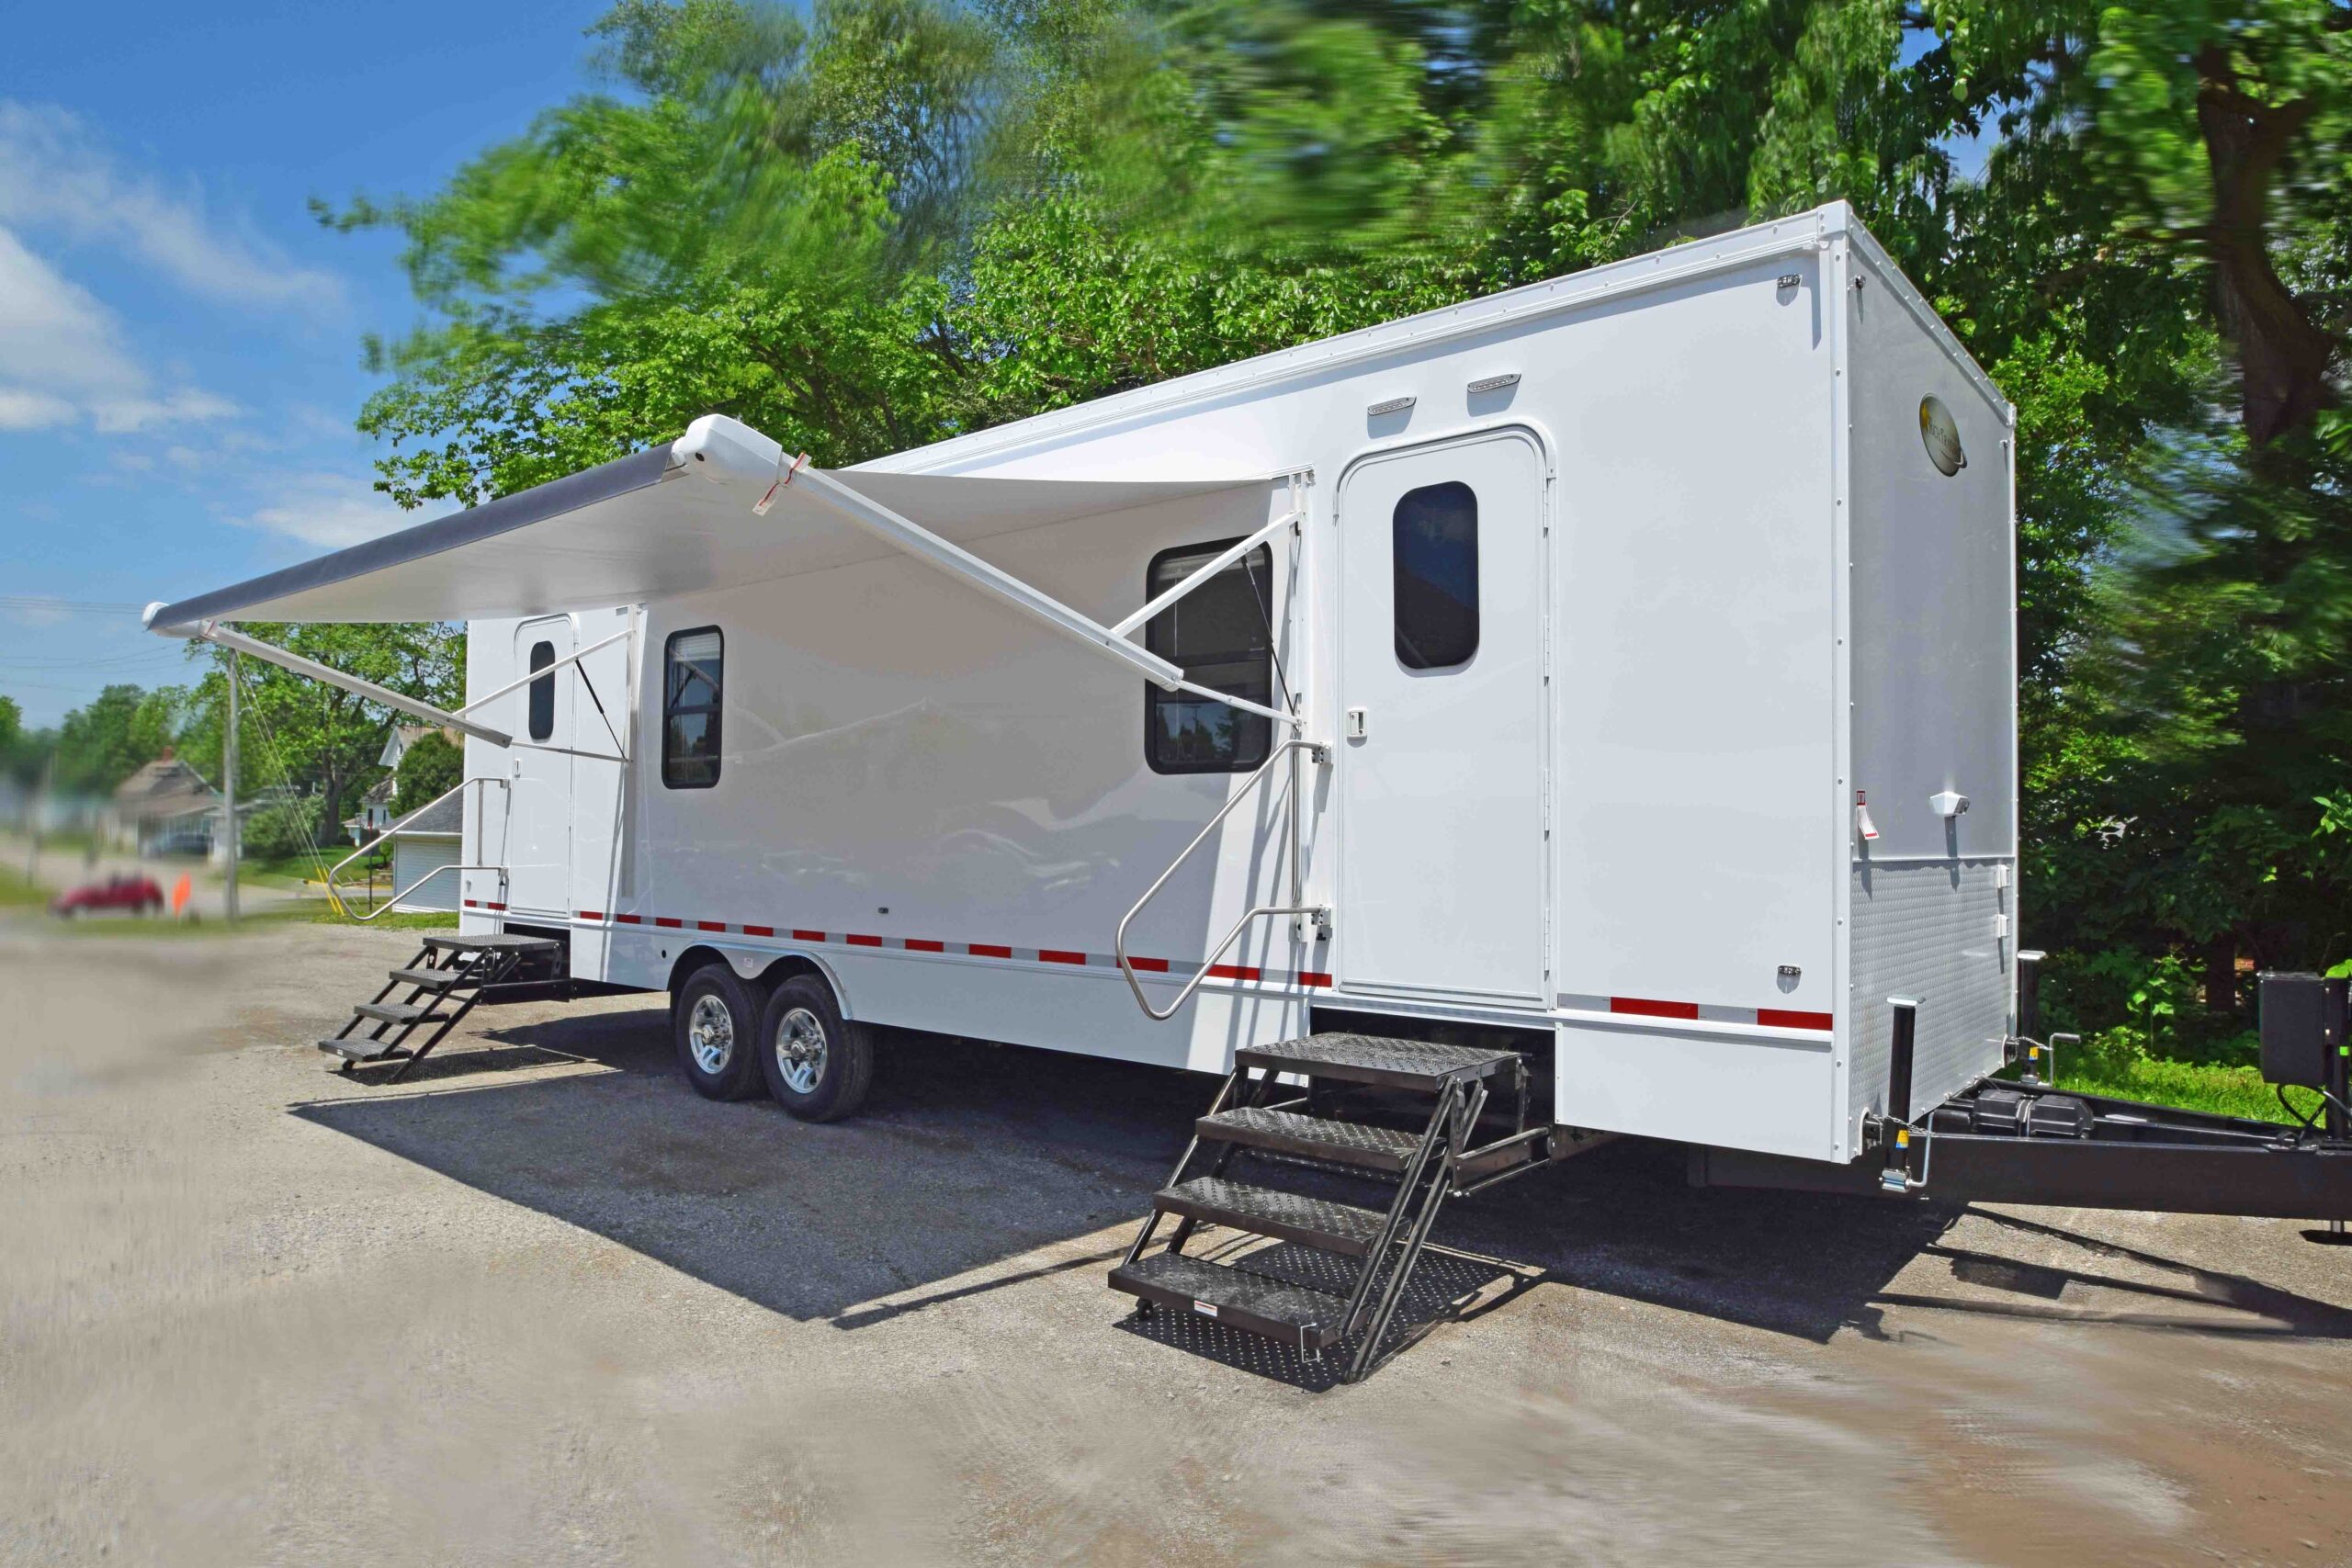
{"points": [[1266, 1210], [1252, 1303], [431, 979], [1344, 1143], [1376, 1059], [496, 942], [359, 1050], [390, 1012]]}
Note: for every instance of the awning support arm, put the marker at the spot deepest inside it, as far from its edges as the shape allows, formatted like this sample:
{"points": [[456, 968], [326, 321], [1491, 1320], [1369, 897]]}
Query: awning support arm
{"points": [[1225, 557], [566, 659], [214, 632]]}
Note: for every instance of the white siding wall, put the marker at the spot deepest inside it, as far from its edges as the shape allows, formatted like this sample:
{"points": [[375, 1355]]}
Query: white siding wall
{"points": [[412, 858]]}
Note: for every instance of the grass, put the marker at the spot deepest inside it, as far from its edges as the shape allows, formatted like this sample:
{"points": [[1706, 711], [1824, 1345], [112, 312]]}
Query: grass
{"points": [[2192, 1085], [15, 893]]}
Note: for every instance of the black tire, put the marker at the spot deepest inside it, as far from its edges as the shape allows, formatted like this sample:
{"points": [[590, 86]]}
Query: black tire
{"points": [[735, 1072], [844, 1068]]}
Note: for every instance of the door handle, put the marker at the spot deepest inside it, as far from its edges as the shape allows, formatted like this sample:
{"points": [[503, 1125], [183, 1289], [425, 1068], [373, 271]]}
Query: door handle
{"points": [[1358, 724]]}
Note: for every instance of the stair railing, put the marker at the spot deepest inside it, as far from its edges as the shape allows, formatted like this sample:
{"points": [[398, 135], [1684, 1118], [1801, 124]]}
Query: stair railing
{"points": [[1315, 751], [335, 897]]}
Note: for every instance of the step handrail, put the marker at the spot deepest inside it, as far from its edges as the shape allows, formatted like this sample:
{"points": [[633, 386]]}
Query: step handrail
{"points": [[334, 871], [1317, 753]]}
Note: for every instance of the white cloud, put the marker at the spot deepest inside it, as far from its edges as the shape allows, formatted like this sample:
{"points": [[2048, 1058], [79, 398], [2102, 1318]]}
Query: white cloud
{"points": [[21, 410], [55, 175], [62, 358], [54, 333], [188, 406], [329, 508]]}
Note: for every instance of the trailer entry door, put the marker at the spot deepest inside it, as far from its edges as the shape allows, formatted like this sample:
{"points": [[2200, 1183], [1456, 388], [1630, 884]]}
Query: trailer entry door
{"points": [[1440, 764], [538, 838]]}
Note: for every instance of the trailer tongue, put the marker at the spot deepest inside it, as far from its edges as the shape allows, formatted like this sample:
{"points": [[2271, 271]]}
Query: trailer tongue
{"points": [[2029, 1142]]}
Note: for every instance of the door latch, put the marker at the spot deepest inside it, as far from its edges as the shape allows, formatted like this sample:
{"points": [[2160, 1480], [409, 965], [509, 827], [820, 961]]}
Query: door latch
{"points": [[1357, 725]]}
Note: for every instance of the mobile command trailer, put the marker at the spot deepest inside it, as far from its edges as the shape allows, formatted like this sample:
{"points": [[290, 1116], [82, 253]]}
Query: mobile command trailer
{"points": [[1605, 688]]}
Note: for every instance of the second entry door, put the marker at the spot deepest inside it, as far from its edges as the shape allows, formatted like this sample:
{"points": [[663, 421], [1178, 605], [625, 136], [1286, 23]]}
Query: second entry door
{"points": [[1441, 744]]}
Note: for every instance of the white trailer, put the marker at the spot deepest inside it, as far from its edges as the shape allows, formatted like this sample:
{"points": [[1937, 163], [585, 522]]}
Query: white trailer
{"points": [[1626, 662]]}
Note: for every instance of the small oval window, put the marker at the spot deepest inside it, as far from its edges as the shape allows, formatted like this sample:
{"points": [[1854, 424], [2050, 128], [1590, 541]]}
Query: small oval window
{"points": [[1940, 433]]}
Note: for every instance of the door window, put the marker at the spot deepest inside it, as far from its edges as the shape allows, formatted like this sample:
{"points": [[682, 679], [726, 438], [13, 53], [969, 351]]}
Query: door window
{"points": [[1434, 544], [542, 691]]}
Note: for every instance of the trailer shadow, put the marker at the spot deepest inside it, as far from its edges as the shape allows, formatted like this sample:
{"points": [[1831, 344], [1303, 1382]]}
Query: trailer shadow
{"points": [[971, 1156]]}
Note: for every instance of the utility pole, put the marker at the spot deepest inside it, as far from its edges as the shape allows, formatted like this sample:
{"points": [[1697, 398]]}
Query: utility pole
{"points": [[41, 808], [228, 791]]}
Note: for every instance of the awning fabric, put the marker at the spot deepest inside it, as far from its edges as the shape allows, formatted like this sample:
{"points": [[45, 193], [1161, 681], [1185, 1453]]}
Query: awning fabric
{"points": [[678, 519]]}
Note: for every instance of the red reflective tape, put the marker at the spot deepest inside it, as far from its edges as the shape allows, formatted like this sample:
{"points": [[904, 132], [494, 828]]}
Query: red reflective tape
{"points": [[1149, 965], [470, 904], [631, 920], [1313, 977], [986, 950], [917, 944], [711, 925], [1233, 972], [862, 940], [499, 907], [1058, 955], [808, 936], [1648, 1008], [759, 930], [1780, 1018], [591, 914], [666, 920]]}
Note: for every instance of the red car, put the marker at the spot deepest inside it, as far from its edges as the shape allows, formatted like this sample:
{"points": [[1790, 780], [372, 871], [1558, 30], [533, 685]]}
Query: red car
{"points": [[135, 895]]}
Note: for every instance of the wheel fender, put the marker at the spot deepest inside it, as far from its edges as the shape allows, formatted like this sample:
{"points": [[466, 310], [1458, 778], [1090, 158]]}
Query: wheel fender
{"points": [[751, 962]]}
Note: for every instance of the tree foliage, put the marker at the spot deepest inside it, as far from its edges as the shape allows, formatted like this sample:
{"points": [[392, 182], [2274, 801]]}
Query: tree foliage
{"points": [[430, 768], [900, 219]]}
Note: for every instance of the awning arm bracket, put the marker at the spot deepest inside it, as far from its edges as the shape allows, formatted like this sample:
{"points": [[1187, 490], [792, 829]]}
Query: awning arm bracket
{"points": [[214, 632]]}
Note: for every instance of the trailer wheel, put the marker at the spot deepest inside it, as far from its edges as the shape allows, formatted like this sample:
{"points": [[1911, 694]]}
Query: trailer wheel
{"points": [[817, 1064], [715, 1022]]}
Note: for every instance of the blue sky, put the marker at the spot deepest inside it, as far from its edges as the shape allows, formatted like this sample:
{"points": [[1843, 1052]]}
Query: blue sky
{"points": [[179, 341]]}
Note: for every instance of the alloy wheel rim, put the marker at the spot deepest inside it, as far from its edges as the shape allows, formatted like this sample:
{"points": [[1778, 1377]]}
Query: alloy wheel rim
{"points": [[800, 1051], [710, 1034]]}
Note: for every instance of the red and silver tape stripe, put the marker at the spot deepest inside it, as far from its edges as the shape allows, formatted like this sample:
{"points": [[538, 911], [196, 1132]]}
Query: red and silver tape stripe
{"points": [[1695, 1012], [1175, 968]]}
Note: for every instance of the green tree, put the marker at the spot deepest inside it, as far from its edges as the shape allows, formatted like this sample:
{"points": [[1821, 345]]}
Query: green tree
{"points": [[898, 222], [114, 735], [306, 735], [430, 768]]}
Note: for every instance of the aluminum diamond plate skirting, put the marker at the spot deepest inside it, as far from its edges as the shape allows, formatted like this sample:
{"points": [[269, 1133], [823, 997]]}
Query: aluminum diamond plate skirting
{"points": [[1926, 930]]}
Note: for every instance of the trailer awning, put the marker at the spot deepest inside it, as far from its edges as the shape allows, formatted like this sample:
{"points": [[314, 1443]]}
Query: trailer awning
{"points": [[677, 519]]}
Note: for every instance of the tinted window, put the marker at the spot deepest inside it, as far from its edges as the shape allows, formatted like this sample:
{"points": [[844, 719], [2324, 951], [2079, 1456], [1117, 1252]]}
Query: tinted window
{"points": [[542, 691], [1219, 635], [1435, 537], [691, 677]]}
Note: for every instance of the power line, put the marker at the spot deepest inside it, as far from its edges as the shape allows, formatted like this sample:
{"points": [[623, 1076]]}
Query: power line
{"points": [[86, 606]]}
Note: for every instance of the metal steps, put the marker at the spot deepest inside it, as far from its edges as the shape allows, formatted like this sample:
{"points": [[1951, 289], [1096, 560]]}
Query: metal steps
{"points": [[390, 1012], [1357, 1144], [1252, 1303], [1266, 1122], [449, 974], [1417, 1065], [1266, 1210]]}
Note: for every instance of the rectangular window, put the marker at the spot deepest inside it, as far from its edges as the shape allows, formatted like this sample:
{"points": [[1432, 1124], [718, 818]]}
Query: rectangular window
{"points": [[1221, 636], [1435, 542], [691, 679], [542, 691]]}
